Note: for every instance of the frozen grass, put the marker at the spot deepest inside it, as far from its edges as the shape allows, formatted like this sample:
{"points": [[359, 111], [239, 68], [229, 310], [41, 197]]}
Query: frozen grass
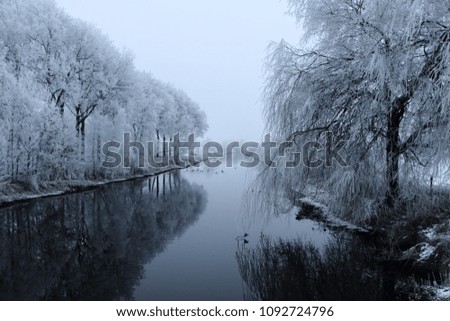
{"points": [[19, 191]]}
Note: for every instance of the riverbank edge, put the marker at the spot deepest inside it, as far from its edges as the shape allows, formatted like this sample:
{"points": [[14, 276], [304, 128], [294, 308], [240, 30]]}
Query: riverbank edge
{"points": [[424, 249], [68, 187]]}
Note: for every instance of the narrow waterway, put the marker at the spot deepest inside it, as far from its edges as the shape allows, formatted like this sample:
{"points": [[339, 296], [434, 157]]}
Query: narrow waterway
{"points": [[183, 235], [201, 263], [173, 237]]}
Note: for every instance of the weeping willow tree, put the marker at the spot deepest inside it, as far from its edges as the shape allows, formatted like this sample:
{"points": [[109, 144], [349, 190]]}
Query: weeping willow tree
{"points": [[376, 74]]}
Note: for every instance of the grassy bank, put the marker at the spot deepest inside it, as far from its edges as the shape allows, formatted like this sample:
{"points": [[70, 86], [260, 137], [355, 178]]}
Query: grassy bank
{"points": [[12, 193], [412, 238]]}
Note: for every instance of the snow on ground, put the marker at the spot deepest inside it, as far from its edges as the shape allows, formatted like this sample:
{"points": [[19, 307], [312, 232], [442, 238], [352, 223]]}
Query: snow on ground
{"points": [[430, 233], [426, 251], [331, 220], [443, 293]]}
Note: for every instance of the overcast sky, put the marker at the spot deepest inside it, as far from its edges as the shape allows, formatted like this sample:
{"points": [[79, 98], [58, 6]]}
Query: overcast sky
{"points": [[213, 50]]}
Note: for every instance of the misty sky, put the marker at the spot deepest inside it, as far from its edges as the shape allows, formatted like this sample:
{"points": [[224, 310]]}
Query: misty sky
{"points": [[213, 50]]}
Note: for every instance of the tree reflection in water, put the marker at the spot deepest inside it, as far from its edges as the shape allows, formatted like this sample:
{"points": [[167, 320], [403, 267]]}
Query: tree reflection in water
{"points": [[346, 269], [93, 245]]}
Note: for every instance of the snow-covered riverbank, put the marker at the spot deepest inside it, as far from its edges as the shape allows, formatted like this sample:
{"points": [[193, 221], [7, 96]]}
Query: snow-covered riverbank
{"points": [[18, 192], [418, 246]]}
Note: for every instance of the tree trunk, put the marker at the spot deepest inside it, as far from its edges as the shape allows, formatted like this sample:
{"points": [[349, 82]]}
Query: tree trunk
{"points": [[83, 140], [99, 154], [77, 125], [62, 156], [164, 146], [393, 150], [29, 158], [80, 128], [157, 144], [393, 191], [93, 156], [10, 156]]}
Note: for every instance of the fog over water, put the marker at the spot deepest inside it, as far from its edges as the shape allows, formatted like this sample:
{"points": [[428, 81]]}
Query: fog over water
{"points": [[214, 51]]}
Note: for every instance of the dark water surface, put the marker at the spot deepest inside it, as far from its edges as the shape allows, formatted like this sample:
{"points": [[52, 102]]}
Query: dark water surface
{"points": [[171, 238], [182, 236]]}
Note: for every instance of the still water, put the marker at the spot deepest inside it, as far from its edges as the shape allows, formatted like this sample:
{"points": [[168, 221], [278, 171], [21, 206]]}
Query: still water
{"points": [[201, 263], [187, 235], [173, 237]]}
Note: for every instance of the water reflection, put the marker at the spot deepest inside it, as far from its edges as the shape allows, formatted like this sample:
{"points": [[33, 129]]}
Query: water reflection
{"points": [[348, 266], [345, 269], [93, 245]]}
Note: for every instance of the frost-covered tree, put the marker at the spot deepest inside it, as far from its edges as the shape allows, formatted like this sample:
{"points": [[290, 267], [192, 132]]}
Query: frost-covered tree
{"points": [[375, 73], [189, 118], [98, 76], [142, 119], [65, 89]]}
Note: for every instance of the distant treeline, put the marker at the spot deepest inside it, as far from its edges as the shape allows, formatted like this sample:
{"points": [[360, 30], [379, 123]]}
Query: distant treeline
{"points": [[65, 89]]}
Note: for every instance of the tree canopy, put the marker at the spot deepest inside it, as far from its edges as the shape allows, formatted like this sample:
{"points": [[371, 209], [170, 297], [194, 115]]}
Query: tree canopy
{"points": [[376, 74], [65, 89]]}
